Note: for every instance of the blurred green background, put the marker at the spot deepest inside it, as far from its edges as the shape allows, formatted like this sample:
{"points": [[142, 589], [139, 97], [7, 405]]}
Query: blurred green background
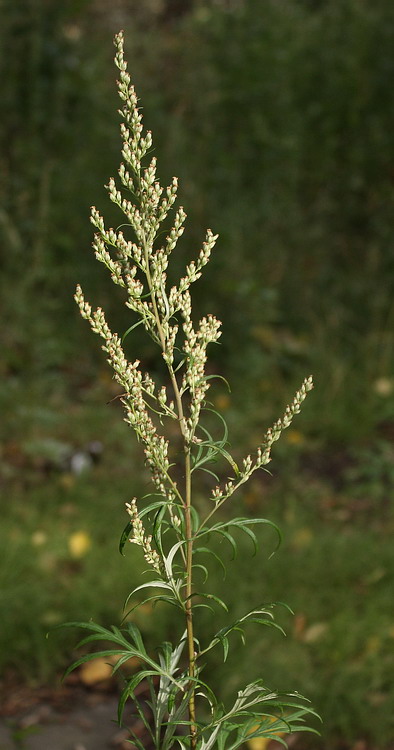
{"points": [[277, 116]]}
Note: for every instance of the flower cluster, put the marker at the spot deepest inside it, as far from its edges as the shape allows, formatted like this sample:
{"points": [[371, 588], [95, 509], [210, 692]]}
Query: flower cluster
{"points": [[195, 348], [142, 539], [136, 391], [263, 454], [137, 257], [140, 267]]}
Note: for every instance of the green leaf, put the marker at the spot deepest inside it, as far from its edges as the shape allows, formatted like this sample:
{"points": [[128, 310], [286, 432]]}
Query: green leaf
{"points": [[208, 471], [128, 691], [203, 606], [217, 377], [155, 599], [125, 536], [222, 420], [217, 558], [229, 538], [95, 655], [134, 632], [126, 333], [225, 644], [243, 524], [209, 596], [203, 568], [151, 584], [168, 561], [152, 507], [195, 518]]}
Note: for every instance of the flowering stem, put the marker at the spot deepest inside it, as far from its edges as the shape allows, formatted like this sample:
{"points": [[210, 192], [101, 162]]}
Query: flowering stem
{"points": [[189, 610], [187, 510], [166, 314]]}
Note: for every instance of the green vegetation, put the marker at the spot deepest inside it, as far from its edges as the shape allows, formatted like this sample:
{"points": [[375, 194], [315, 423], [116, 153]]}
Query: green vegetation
{"points": [[336, 561], [293, 167], [170, 415]]}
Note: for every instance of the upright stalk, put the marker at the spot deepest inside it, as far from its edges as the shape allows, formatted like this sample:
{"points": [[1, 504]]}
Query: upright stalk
{"points": [[189, 591], [166, 313], [187, 513]]}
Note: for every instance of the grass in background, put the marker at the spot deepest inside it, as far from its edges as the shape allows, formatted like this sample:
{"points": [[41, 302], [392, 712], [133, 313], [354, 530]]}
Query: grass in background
{"points": [[314, 82], [60, 562]]}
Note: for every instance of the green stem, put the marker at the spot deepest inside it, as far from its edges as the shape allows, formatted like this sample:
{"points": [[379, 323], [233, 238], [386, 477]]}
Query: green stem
{"points": [[189, 609], [187, 512], [223, 500]]}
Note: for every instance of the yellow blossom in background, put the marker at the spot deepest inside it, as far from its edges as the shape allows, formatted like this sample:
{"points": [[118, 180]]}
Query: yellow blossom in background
{"points": [[102, 668], [261, 743], [78, 544], [384, 386], [258, 743], [96, 670]]}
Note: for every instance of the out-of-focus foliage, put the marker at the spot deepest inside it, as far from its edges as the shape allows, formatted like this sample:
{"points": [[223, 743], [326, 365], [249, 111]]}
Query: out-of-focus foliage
{"points": [[51, 109], [293, 165]]}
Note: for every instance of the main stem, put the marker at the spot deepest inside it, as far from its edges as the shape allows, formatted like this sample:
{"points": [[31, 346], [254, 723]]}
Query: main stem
{"points": [[188, 518], [188, 605]]}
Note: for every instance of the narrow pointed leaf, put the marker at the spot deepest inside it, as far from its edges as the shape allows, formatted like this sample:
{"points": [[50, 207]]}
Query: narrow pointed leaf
{"points": [[125, 536]]}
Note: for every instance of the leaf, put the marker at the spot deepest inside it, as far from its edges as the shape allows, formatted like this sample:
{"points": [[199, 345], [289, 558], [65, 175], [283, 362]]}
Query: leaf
{"points": [[135, 634], [152, 584], [257, 615], [169, 560], [155, 598], [209, 596], [90, 657], [204, 570], [125, 536], [195, 519], [207, 744], [208, 471], [128, 691], [213, 446], [218, 377], [116, 636], [126, 333], [222, 420], [259, 742], [242, 524], [225, 644], [169, 660], [231, 461], [227, 536], [217, 558]]}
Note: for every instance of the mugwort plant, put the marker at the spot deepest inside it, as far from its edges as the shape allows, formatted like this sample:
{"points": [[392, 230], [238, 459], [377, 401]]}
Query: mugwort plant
{"points": [[166, 524]]}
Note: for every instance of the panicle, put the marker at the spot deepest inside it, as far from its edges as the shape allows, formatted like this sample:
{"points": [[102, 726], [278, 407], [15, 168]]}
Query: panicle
{"points": [[143, 540]]}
